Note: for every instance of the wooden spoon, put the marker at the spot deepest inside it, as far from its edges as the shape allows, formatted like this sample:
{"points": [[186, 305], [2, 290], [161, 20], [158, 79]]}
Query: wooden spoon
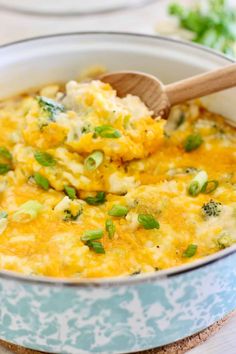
{"points": [[159, 98]]}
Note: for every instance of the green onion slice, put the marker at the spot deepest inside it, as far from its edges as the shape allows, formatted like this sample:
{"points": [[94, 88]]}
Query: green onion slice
{"points": [[118, 210], [71, 192], [96, 246], [27, 211], [92, 235], [4, 168], [197, 183], [100, 198], [210, 186], [4, 152], [44, 159], [110, 228], [93, 161], [190, 251], [107, 131], [148, 221], [193, 142], [41, 181]]}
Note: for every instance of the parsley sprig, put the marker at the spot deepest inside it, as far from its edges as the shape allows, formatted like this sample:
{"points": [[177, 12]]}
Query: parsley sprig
{"points": [[213, 23]]}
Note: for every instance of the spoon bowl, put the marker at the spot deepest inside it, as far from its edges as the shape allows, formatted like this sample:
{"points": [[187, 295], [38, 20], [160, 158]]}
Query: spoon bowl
{"points": [[147, 87], [159, 98]]}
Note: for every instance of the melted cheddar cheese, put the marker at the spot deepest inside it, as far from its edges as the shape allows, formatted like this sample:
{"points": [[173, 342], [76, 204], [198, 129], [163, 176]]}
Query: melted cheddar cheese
{"points": [[92, 186]]}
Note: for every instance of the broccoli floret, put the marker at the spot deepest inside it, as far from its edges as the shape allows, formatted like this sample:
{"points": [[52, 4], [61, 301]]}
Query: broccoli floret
{"points": [[225, 241], [51, 107], [68, 216], [211, 208]]}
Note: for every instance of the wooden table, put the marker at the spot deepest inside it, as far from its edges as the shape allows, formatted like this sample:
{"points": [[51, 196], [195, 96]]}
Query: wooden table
{"points": [[15, 26]]}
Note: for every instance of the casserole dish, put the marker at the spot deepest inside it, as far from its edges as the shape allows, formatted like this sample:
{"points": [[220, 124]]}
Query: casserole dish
{"points": [[123, 314]]}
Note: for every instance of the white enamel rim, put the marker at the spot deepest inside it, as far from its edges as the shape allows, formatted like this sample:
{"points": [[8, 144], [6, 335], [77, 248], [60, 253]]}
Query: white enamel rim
{"points": [[124, 280], [70, 7]]}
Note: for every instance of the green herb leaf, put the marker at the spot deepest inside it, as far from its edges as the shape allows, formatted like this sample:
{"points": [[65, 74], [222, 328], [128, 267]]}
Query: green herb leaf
{"points": [[71, 192], [44, 159], [212, 24], [118, 210], [192, 142], [148, 221], [4, 152], [4, 168], [176, 9], [100, 198], [94, 160], [107, 131], [110, 228], [41, 181], [210, 186], [96, 246], [92, 235], [49, 106], [190, 251]]}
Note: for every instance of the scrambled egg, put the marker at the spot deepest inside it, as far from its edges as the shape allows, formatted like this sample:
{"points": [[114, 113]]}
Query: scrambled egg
{"points": [[92, 186]]}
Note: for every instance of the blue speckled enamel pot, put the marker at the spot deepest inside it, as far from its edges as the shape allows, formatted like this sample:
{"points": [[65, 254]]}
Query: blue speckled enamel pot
{"points": [[126, 314]]}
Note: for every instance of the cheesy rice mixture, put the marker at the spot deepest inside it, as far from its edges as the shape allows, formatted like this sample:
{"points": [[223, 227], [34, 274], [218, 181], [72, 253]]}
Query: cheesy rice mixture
{"points": [[92, 186]]}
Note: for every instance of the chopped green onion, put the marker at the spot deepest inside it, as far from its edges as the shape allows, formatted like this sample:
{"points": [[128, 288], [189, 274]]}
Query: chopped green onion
{"points": [[5, 153], [193, 142], [126, 121], [190, 251], [44, 159], [107, 131], [197, 183], [3, 215], [92, 235], [225, 241], [148, 221], [180, 120], [4, 168], [71, 192], [210, 186], [100, 198], [96, 246], [49, 106], [27, 211], [41, 181], [118, 210], [93, 161], [110, 228]]}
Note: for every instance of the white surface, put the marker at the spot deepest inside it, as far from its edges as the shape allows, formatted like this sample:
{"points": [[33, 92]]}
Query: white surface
{"points": [[69, 6], [17, 26]]}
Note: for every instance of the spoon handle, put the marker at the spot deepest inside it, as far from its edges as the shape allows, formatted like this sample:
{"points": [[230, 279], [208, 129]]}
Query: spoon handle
{"points": [[201, 85]]}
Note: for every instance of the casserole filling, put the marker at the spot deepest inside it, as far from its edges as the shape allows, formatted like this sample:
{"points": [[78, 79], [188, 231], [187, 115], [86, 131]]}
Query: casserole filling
{"points": [[92, 186]]}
